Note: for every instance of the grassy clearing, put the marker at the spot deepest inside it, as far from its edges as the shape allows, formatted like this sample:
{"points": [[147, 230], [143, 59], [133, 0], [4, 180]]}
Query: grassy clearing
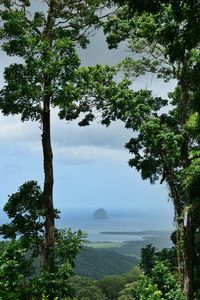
{"points": [[104, 245]]}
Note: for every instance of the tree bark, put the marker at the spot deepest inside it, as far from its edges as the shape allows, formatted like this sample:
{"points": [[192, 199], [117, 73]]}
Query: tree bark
{"points": [[48, 188], [49, 242], [189, 228]]}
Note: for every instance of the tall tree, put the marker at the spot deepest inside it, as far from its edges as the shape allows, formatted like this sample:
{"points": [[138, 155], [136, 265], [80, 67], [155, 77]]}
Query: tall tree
{"points": [[164, 39], [48, 74]]}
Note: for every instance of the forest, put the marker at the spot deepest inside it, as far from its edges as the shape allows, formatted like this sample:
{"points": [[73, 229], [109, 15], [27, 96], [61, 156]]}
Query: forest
{"points": [[38, 260]]}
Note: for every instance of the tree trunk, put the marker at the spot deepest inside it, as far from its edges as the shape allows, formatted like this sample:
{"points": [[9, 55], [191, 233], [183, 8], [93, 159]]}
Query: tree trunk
{"points": [[189, 228], [48, 188], [179, 218], [189, 259], [180, 236]]}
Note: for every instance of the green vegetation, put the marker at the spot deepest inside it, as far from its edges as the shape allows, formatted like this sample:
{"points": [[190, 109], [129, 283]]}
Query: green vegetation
{"points": [[97, 263], [103, 259], [162, 285], [49, 75], [107, 288], [104, 245], [22, 274], [85, 288], [159, 239], [111, 286], [163, 39]]}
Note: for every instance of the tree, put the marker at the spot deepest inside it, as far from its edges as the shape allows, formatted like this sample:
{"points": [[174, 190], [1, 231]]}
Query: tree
{"points": [[133, 275], [15, 268], [21, 274], [111, 286], [161, 285], [148, 258], [55, 285], [48, 75], [164, 39], [26, 211], [22, 279], [84, 288]]}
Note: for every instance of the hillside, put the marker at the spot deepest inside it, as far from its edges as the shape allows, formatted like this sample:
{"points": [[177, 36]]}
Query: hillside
{"points": [[97, 263]]}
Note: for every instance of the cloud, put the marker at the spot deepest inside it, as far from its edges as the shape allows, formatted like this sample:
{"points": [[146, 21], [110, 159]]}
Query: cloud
{"points": [[13, 129], [71, 134], [97, 51], [89, 154], [74, 144], [71, 143]]}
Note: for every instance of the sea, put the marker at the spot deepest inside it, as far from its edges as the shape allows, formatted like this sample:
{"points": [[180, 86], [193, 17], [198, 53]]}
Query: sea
{"points": [[119, 220], [125, 221]]}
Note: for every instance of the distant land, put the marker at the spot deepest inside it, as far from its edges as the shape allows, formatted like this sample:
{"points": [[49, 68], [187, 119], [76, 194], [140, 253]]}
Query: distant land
{"points": [[100, 214], [144, 233], [99, 259], [159, 239]]}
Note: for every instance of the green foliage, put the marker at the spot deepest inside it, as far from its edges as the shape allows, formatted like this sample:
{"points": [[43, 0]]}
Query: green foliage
{"points": [[133, 275], [97, 263], [68, 245], [55, 284], [168, 256], [149, 257], [15, 267], [165, 36], [167, 282], [161, 285], [85, 289], [126, 293], [48, 75], [145, 289], [161, 40], [51, 67], [18, 279], [22, 277], [164, 40], [191, 174], [111, 286], [52, 284], [25, 209]]}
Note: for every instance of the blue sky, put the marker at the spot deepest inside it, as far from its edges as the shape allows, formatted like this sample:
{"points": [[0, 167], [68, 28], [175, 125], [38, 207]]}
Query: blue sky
{"points": [[90, 163]]}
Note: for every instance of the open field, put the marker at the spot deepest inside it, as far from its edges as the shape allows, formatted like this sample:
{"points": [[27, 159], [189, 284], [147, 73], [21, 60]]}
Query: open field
{"points": [[104, 245], [159, 239]]}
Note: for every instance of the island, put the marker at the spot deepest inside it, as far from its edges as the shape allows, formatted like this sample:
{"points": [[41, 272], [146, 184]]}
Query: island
{"points": [[100, 214]]}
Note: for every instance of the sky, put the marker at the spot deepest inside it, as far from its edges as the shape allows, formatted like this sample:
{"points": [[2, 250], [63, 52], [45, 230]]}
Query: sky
{"points": [[90, 163]]}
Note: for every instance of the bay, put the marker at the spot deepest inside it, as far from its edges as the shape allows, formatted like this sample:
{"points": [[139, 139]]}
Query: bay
{"points": [[122, 221]]}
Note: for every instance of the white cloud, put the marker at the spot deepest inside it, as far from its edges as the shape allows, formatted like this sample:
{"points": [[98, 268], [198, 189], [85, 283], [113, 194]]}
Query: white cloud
{"points": [[71, 143], [89, 154], [13, 129]]}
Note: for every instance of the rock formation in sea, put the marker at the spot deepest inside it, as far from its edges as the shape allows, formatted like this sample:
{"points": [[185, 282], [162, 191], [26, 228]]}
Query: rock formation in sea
{"points": [[100, 214]]}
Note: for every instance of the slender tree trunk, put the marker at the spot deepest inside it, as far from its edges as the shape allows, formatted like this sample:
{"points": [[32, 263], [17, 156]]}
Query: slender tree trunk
{"points": [[49, 243], [180, 236], [189, 230], [48, 188]]}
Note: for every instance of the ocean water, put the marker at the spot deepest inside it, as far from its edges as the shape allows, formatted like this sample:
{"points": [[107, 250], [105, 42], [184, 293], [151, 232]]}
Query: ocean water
{"points": [[119, 221]]}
